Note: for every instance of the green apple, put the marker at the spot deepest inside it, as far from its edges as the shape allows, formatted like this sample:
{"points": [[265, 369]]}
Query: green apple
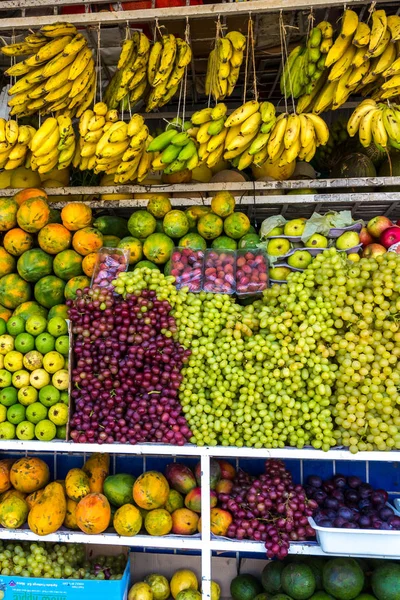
{"points": [[3, 413], [62, 345], [62, 432], [36, 412], [33, 360], [39, 378], [45, 342], [27, 395], [20, 379], [3, 326], [15, 325], [53, 361], [25, 430], [36, 324], [317, 241], [60, 380], [278, 247], [276, 231], [64, 397], [8, 396], [58, 414], [279, 273], [16, 413], [6, 344], [24, 342], [348, 240], [7, 431], [5, 378], [45, 431], [295, 227], [49, 395], [300, 259], [13, 361], [57, 326]]}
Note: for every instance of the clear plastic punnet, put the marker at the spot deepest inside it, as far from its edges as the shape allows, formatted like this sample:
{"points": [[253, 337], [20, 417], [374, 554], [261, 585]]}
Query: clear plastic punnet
{"points": [[187, 268], [251, 271], [219, 271], [110, 262]]}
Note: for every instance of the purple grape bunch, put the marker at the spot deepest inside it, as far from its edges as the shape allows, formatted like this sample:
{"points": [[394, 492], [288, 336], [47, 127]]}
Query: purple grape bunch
{"points": [[128, 370], [270, 508], [349, 503]]}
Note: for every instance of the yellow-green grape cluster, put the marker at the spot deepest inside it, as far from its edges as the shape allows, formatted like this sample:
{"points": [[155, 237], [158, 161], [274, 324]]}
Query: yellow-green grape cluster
{"points": [[57, 561]]}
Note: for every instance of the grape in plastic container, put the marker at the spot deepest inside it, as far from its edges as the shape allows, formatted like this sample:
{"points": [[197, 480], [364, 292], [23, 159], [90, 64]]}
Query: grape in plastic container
{"points": [[110, 262], [187, 268], [219, 271], [251, 271]]}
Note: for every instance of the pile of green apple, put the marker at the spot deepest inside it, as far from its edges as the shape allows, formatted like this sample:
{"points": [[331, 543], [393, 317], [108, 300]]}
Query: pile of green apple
{"points": [[280, 242], [34, 378]]}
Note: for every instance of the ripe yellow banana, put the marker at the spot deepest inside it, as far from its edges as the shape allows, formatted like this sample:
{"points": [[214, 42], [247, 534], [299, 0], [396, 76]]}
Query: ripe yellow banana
{"points": [[340, 67], [362, 109], [276, 140], [292, 131], [11, 131], [362, 35], [378, 29], [338, 49], [58, 29], [393, 24], [58, 63], [49, 145], [307, 133], [365, 128], [242, 113], [321, 129], [43, 133], [251, 124], [80, 63], [379, 133]]}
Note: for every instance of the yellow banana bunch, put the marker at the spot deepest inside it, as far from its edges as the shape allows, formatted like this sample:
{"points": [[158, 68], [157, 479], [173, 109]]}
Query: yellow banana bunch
{"points": [[92, 125], [14, 143], [210, 132], [44, 146], [166, 68], [129, 83], [58, 75], [376, 123], [224, 64]]}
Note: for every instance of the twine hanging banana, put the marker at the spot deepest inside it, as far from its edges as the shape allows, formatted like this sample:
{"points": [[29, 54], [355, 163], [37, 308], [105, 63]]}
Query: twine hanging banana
{"points": [[175, 150], [224, 64], [376, 123], [58, 75], [14, 143]]}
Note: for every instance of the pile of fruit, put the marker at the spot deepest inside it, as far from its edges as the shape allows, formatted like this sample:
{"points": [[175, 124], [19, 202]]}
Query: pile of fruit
{"points": [[57, 77], [56, 561], [316, 578], [34, 378], [183, 585]]}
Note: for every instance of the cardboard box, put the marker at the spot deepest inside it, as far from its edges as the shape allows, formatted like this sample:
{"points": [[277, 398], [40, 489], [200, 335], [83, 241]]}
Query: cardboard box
{"points": [[144, 563], [32, 588]]}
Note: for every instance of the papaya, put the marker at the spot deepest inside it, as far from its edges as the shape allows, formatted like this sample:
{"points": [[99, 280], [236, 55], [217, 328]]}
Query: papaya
{"points": [[77, 484], [29, 474], [151, 490], [158, 522], [127, 520], [14, 493], [96, 468], [74, 284], [27, 193], [5, 468], [5, 313], [34, 497], [54, 238], [76, 215], [13, 512], [87, 240], [93, 514], [14, 291], [118, 489], [70, 516], [33, 214], [48, 513], [16, 241], [112, 225], [7, 262], [8, 214]]}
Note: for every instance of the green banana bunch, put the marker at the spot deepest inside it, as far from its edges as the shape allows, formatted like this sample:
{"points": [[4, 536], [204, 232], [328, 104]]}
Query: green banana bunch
{"points": [[174, 149]]}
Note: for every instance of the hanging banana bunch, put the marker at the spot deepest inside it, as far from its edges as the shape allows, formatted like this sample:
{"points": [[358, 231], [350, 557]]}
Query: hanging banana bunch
{"points": [[175, 149], [129, 83], [166, 68], [58, 75], [376, 123], [14, 143], [305, 64], [92, 124], [135, 162], [53, 145], [210, 132], [224, 64]]}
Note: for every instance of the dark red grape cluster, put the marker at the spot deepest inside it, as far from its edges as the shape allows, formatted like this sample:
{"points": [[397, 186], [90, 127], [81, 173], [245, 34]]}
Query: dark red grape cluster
{"points": [[347, 502], [128, 370], [269, 508]]}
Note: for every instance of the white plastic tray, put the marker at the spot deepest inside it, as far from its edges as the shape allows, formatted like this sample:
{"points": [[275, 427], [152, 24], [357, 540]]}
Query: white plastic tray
{"points": [[368, 542]]}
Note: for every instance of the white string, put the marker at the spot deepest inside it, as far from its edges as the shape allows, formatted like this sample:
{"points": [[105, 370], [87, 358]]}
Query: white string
{"points": [[246, 67]]}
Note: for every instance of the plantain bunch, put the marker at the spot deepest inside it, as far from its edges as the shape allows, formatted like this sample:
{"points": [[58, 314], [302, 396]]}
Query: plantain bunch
{"points": [[14, 143], [129, 83], [224, 64], [377, 123], [53, 145], [305, 64], [58, 76], [364, 59], [175, 149]]}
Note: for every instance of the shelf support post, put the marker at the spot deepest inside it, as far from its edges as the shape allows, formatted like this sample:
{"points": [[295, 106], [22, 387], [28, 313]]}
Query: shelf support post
{"points": [[206, 552]]}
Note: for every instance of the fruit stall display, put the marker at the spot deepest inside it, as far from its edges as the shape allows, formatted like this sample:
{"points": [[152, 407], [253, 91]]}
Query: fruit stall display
{"points": [[183, 349]]}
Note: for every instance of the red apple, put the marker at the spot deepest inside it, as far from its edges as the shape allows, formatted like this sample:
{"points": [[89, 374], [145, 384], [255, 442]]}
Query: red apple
{"points": [[390, 236], [377, 225], [373, 250], [365, 237]]}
